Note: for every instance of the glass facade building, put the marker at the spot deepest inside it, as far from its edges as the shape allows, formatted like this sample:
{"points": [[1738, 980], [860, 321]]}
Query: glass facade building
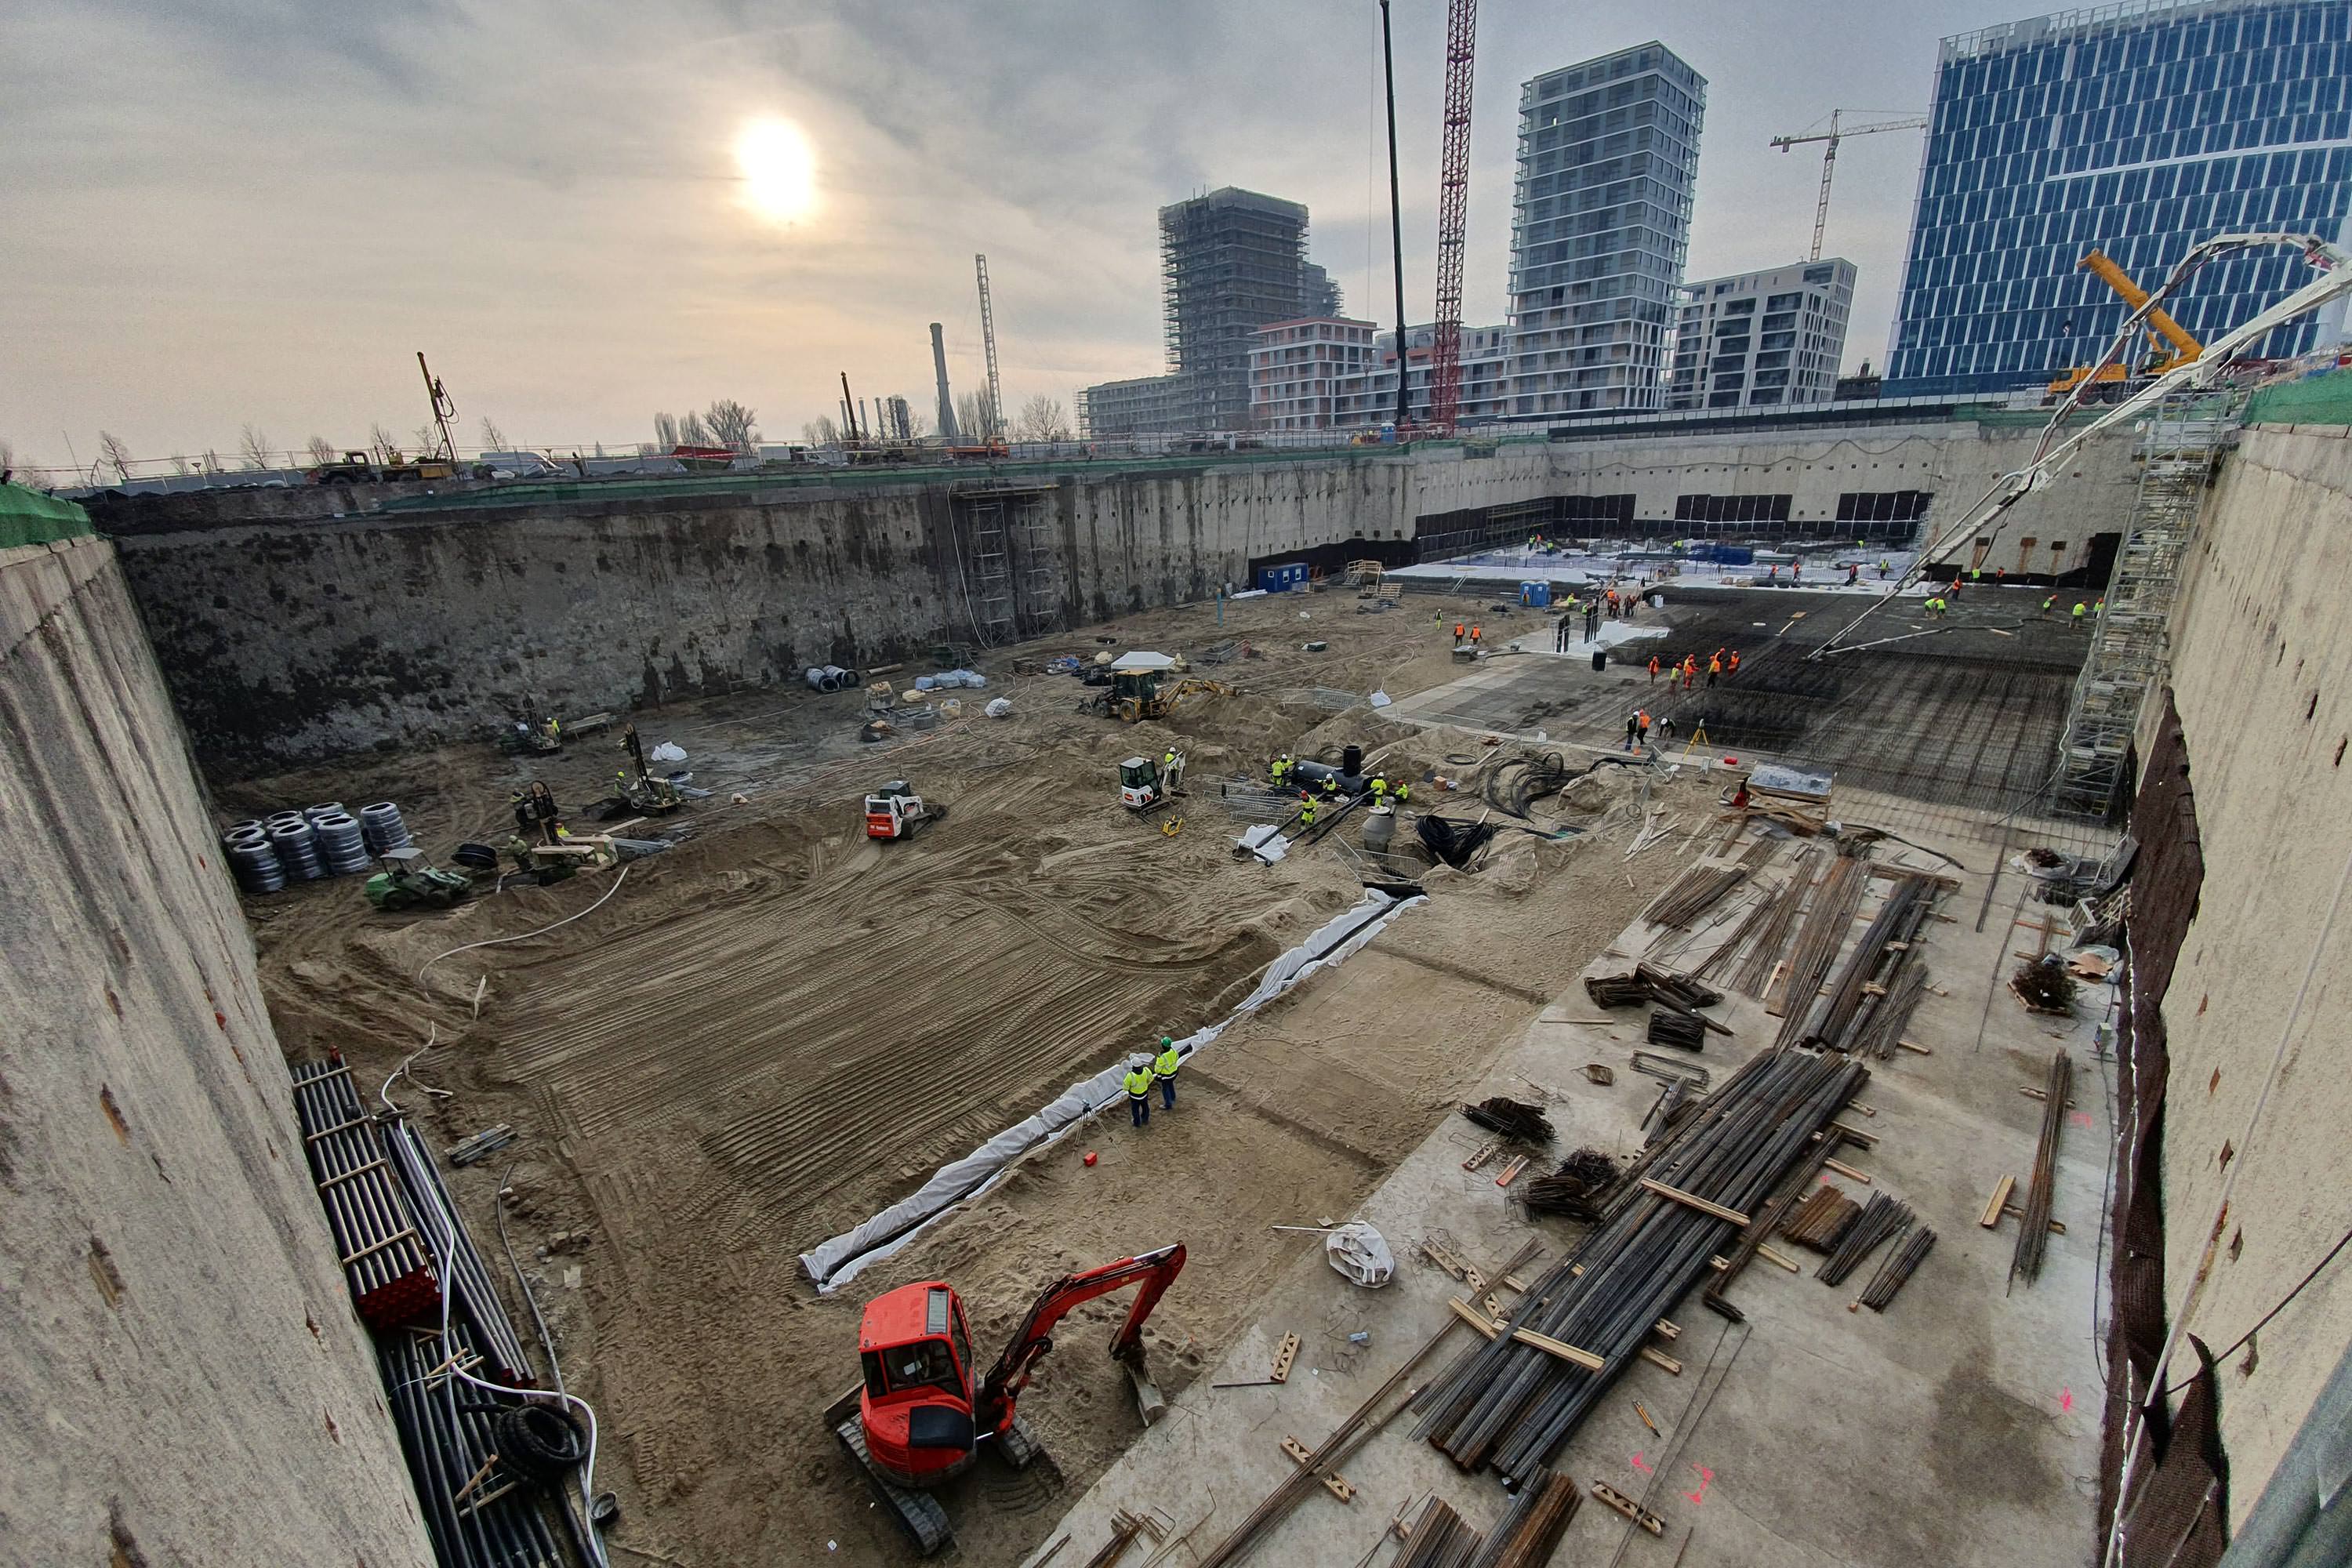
{"points": [[2139, 129], [1600, 228]]}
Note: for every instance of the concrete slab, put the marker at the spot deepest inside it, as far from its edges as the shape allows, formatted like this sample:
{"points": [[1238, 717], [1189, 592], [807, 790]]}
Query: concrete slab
{"points": [[1959, 1427]]}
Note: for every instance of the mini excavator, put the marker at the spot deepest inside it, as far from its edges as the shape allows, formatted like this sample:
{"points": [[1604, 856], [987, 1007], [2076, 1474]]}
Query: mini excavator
{"points": [[917, 1419]]}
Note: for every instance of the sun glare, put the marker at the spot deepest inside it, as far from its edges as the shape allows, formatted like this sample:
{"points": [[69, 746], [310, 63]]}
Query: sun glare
{"points": [[778, 170]]}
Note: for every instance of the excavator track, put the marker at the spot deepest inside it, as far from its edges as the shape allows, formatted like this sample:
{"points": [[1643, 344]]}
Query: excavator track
{"points": [[917, 1513], [1019, 1445]]}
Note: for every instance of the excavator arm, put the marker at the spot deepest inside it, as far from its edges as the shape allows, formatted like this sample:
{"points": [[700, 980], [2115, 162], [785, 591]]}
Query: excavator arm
{"points": [[1155, 1271]]}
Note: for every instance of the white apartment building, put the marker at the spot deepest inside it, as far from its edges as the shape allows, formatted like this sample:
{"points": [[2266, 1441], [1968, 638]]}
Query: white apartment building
{"points": [[1762, 340], [1295, 369]]}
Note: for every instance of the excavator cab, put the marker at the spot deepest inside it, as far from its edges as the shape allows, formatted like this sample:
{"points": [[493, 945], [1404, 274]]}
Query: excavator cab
{"points": [[915, 1351]]}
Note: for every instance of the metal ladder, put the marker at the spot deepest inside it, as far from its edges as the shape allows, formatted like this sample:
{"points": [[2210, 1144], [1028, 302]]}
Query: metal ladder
{"points": [[1038, 556], [2131, 642], [991, 575]]}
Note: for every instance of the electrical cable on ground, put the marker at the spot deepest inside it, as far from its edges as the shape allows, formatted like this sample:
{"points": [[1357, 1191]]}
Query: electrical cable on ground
{"points": [[619, 876]]}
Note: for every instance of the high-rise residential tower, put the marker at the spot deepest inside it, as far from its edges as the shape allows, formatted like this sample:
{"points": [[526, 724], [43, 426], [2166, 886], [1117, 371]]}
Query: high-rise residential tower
{"points": [[1601, 224], [1762, 340], [2138, 129]]}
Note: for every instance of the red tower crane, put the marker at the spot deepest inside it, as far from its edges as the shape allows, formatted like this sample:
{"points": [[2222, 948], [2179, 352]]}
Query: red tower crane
{"points": [[1453, 219]]}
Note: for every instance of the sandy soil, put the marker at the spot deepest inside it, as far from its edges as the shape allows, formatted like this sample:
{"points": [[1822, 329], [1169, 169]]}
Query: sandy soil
{"points": [[777, 1026]]}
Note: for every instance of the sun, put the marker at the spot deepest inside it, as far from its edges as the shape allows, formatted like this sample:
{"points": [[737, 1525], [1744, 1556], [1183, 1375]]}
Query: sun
{"points": [[778, 170]]}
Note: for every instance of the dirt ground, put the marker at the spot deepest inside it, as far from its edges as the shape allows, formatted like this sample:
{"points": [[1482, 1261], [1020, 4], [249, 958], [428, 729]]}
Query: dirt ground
{"points": [[777, 1026]]}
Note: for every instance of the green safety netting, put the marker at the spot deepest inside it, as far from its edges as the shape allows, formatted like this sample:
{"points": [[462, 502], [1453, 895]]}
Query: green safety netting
{"points": [[28, 517], [2314, 400]]}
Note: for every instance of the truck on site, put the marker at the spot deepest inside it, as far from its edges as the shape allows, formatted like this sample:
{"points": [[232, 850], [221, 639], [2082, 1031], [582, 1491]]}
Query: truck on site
{"points": [[917, 1417], [361, 468], [1147, 784], [896, 811]]}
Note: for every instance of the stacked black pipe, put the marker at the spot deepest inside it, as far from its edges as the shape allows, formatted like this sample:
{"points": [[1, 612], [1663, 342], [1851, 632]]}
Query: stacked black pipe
{"points": [[450, 1429], [386, 1260], [472, 1298], [1510, 1406]]}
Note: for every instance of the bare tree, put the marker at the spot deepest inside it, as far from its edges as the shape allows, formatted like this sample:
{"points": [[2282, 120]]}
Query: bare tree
{"points": [[1042, 419], [732, 425], [180, 465], [665, 431], [380, 442], [428, 440], [975, 416], [210, 463], [821, 431], [493, 438], [321, 450], [113, 454], [693, 432], [254, 447]]}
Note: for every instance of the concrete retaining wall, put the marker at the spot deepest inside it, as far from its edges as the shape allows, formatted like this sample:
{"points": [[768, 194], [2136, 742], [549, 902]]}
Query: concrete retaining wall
{"points": [[290, 634], [2263, 676], [184, 1381]]}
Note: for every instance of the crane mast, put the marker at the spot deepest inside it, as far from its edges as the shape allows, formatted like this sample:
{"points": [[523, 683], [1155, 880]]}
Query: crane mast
{"points": [[995, 431], [1453, 219]]}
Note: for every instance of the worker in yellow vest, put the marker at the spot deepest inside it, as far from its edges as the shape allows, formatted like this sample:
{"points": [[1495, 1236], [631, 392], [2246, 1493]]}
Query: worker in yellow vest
{"points": [[1380, 789], [1138, 1084], [1307, 814], [2078, 615], [1163, 1072], [1401, 791]]}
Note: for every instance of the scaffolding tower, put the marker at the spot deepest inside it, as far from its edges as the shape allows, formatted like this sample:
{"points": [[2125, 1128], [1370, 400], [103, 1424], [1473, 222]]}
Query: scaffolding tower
{"points": [[1230, 261], [990, 585], [2131, 639]]}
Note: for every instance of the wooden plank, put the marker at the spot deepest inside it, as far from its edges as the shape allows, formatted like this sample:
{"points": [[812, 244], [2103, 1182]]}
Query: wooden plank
{"points": [[1628, 1506], [1665, 1329], [1285, 1354], [1657, 1357], [1511, 1172], [1848, 1172], [1544, 1343], [1333, 1482], [1692, 1200], [1783, 1258], [1915, 1050], [1997, 1202]]}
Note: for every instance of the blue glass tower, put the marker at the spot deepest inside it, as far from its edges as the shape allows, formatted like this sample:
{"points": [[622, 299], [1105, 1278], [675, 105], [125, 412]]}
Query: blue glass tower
{"points": [[2136, 128]]}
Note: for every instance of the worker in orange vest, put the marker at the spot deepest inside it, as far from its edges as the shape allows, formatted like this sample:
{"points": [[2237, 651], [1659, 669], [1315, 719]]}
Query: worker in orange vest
{"points": [[1715, 670], [1474, 636], [1690, 670], [1644, 715], [1458, 629], [1733, 668], [1653, 670]]}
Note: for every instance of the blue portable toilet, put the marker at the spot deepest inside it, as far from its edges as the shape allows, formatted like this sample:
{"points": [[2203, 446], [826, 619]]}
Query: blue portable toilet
{"points": [[1536, 595]]}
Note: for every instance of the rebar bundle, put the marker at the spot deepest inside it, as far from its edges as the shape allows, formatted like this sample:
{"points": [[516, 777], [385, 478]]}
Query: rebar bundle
{"points": [[480, 1513], [1778, 918], [1818, 944], [1680, 1030], [472, 1298], [2033, 1228], [1648, 982], [386, 1262], [1439, 1540], [1694, 893], [1512, 1118], [1897, 1268], [1881, 1217], [1509, 1405], [1583, 1183], [1531, 1527], [1878, 1035], [1820, 1220], [1852, 999]]}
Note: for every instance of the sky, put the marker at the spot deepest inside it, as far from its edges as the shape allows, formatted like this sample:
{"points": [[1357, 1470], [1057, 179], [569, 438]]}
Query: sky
{"points": [[216, 214]]}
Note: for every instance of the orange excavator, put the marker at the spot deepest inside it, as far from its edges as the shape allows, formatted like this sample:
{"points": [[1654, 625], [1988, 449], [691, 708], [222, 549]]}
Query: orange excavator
{"points": [[917, 1419], [2163, 333]]}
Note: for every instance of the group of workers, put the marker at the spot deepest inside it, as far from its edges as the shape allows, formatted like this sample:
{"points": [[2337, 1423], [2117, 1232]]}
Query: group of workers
{"points": [[1144, 1070], [1325, 791], [1722, 662]]}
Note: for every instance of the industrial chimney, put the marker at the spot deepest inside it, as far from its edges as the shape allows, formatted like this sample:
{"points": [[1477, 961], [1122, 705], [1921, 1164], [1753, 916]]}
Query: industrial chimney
{"points": [[947, 404]]}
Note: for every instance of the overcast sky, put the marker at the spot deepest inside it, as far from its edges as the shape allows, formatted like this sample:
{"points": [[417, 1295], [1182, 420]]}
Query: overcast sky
{"points": [[229, 211]]}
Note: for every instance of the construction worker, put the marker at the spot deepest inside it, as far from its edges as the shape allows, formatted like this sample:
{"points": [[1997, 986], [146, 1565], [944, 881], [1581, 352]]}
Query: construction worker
{"points": [[1168, 761], [1330, 786], [1690, 670], [1633, 729], [1380, 789], [1401, 791], [2078, 615], [2099, 611], [1458, 634], [1733, 666], [2001, 576], [1474, 636], [1715, 670], [1653, 670], [1853, 572], [1882, 568], [1307, 814], [1282, 766], [1976, 576], [2048, 603], [1163, 1072], [1138, 1084]]}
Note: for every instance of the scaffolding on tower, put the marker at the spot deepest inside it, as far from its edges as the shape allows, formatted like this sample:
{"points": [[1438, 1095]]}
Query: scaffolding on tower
{"points": [[1453, 219]]}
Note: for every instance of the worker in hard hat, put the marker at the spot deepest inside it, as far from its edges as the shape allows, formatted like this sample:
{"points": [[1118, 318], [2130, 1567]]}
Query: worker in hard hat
{"points": [[1401, 791], [1330, 786], [1380, 789], [1163, 1072], [1307, 814], [1138, 1084], [1282, 766]]}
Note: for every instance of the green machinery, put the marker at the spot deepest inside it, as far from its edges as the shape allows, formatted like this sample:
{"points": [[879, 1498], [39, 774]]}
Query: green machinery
{"points": [[406, 881]]}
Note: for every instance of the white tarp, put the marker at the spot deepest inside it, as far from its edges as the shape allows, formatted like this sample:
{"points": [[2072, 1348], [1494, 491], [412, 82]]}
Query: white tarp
{"points": [[834, 1262]]}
